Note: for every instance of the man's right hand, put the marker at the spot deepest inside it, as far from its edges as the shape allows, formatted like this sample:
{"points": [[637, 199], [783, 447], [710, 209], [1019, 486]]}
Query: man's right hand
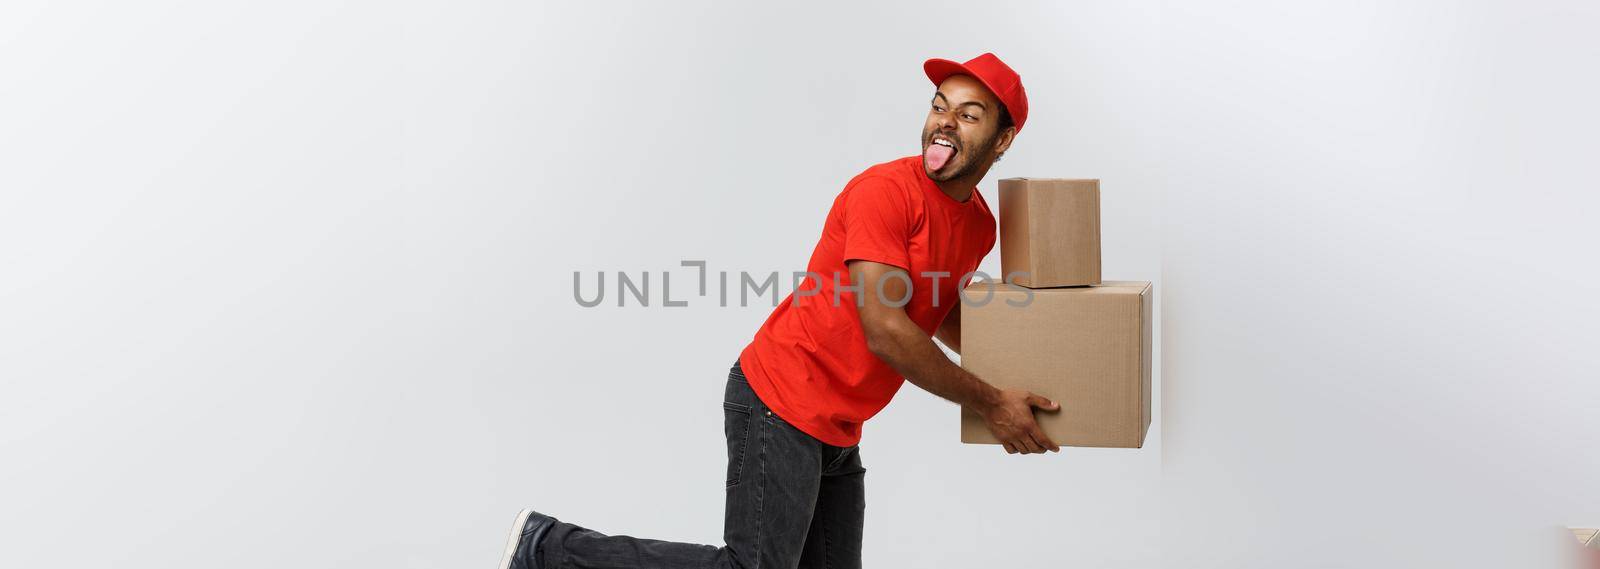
{"points": [[1011, 420]]}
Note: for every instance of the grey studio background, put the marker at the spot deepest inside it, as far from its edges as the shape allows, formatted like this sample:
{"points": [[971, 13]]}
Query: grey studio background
{"points": [[290, 284]]}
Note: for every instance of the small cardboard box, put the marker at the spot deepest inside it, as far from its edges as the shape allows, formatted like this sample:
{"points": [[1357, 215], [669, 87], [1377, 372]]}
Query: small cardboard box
{"points": [[1050, 231], [1587, 536], [1087, 348]]}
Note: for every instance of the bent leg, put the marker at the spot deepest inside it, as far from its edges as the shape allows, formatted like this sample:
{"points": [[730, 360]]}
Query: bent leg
{"points": [[571, 546], [834, 541], [774, 476], [773, 479]]}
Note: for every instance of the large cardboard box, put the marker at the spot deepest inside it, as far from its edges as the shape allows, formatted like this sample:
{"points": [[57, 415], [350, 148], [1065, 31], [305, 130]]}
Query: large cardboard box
{"points": [[1087, 348], [1050, 231]]}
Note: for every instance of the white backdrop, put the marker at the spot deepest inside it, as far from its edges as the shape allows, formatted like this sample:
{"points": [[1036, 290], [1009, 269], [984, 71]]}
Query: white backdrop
{"points": [[1380, 297], [291, 284]]}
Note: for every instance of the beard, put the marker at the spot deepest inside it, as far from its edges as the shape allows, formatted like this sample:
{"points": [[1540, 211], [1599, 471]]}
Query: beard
{"points": [[966, 161]]}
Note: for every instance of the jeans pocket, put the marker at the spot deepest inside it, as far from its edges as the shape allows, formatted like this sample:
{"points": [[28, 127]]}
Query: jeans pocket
{"points": [[736, 425]]}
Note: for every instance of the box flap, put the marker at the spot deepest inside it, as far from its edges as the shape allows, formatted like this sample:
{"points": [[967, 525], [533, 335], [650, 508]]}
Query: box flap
{"points": [[1027, 179]]}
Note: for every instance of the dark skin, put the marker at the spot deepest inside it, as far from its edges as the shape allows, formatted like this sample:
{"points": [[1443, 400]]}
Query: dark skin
{"points": [[964, 112]]}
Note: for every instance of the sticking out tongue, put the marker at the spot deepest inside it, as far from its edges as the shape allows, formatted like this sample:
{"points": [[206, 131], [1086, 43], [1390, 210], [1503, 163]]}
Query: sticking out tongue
{"points": [[936, 156]]}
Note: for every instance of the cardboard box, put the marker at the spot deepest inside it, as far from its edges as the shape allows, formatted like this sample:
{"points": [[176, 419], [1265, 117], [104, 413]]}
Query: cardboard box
{"points": [[1587, 536], [1050, 230], [1087, 348]]}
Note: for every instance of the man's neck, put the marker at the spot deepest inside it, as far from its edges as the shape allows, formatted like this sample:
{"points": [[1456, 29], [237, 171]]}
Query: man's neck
{"points": [[958, 192], [960, 189]]}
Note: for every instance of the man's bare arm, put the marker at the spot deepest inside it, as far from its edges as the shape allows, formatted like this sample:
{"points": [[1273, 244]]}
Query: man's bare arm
{"points": [[899, 342], [949, 331]]}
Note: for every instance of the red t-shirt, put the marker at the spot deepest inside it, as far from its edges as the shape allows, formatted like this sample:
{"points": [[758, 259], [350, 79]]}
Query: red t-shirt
{"points": [[809, 362]]}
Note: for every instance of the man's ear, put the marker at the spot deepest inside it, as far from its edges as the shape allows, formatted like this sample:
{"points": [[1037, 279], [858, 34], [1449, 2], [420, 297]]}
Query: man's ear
{"points": [[1002, 143]]}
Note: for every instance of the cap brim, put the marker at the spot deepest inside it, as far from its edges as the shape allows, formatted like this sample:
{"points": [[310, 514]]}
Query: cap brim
{"points": [[940, 69]]}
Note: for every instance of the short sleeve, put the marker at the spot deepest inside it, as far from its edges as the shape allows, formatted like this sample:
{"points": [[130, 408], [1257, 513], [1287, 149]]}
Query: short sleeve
{"points": [[878, 223]]}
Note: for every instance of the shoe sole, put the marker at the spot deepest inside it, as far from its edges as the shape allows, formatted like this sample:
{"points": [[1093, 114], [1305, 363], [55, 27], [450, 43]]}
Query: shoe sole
{"points": [[515, 538]]}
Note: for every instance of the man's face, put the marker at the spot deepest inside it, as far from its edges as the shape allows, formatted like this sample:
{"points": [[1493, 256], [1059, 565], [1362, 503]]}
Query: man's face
{"points": [[965, 115]]}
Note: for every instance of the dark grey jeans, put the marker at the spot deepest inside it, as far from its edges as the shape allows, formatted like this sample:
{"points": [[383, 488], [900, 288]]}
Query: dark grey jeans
{"points": [[792, 501]]}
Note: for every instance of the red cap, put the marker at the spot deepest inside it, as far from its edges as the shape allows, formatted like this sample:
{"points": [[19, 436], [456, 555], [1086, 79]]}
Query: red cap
{"points": [[994, 74]]}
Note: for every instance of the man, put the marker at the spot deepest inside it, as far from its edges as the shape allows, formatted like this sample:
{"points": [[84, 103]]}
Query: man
{"points": [[884, 279]]}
